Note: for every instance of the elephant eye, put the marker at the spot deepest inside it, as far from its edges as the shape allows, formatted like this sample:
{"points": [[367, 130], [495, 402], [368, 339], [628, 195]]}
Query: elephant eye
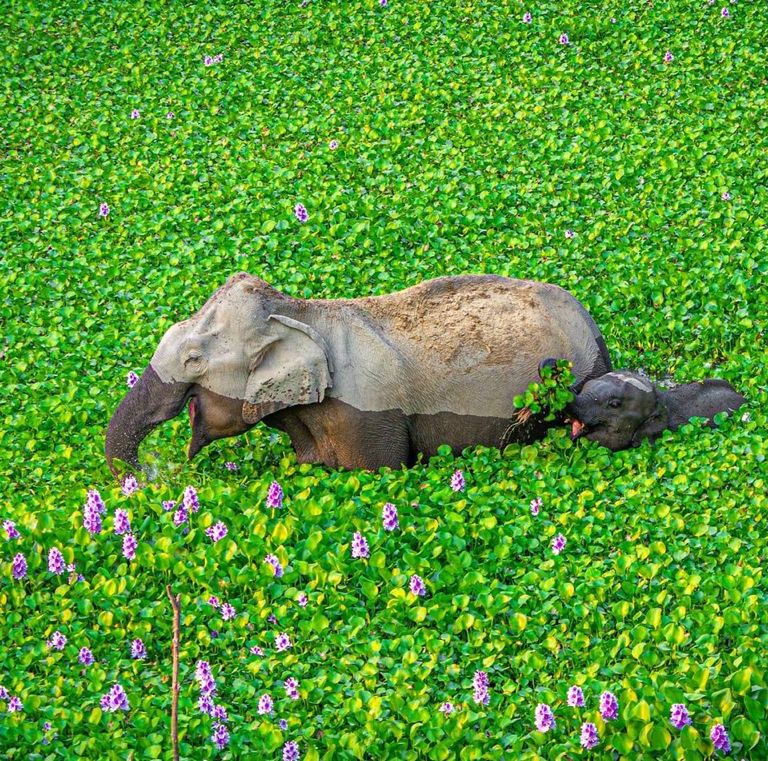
{"points": [[193, 359], [614, 403]]}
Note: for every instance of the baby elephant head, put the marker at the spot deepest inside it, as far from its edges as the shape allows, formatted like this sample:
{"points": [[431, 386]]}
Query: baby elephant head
{"points": [[620, 409]]}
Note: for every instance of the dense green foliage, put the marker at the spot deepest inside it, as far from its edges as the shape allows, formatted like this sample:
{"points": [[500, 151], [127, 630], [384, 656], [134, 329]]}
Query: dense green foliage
{"points": [[468, 141], [550, 394]]}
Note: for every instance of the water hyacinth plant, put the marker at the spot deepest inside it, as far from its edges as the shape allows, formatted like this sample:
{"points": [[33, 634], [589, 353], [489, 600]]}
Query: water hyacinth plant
{"points": [[428, 139]]}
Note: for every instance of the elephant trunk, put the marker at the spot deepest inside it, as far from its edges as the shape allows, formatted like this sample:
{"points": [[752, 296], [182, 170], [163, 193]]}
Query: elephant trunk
{"points": [[149, 403]]}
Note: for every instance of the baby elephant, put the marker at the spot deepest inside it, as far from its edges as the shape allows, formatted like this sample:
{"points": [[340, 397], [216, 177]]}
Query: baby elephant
{"points": [[620, 409]]}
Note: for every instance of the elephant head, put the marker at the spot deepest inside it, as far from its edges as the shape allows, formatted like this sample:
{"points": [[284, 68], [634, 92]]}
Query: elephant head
{"points": [[620, 409], [243, 356]]}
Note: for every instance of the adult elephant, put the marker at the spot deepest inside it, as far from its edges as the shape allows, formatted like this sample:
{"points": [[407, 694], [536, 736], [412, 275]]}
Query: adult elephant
{"points": [[360, 383]]}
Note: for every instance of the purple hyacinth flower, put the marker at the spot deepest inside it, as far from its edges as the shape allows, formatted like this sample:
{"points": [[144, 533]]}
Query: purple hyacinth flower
{"points": [[480, 684], [564, 39], [213, 601], [481, 696], [203, 671], [275, 563], [302, 599], [256, 650], [359, 546], [208, 61], [85, 656], [447, 708], [105, 702], [180, 516], [220, 713], [220, 736], [122, 523], [19, 567], [94, 499], [138, 650], [130, 485], [135, 114], [15, 705], [726, 196], [272, 618], [576, 697], [132, 379], [570, 234], [103, 210], [11, 531], [720, 740], [383, 3], [291, 751], [536, 505], [282, 642], [205, 704], [117, 699], [457, 481], [589, 736], [679, 716], [56, 562], [417, 586], [218, 58], [266, 705], [190, 500], [230, 466], [216, 532], [57, 641], [170, 115], [46, 726], [668, 57], [227, 612], [275, 496], [91, 518], [558, 544], [283, 724], [291, 688], [4, 694], [527, 18], [169, 504], [609, 706], [130, 544], [545, 719], [333, 145], [389, 517], [301, 212], [725, 13]]}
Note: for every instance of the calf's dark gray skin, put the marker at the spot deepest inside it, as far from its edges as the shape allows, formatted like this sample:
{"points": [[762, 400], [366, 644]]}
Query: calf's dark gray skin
{"points": [[621, 409], [360, 383]]}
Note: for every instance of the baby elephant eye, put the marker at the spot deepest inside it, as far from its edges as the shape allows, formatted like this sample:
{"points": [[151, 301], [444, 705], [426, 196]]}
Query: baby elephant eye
{"points": [[614, 403]]}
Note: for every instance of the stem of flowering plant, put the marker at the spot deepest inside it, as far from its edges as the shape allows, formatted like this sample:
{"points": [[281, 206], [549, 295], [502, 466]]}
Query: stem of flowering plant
{"points": [[175, 679]]}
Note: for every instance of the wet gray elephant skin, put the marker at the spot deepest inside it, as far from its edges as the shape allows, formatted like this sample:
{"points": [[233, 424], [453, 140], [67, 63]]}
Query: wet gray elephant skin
{"points": [[364, 382], [621, 409]]}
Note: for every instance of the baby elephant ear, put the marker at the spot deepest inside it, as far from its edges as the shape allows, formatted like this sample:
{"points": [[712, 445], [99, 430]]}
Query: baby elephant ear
{"points": [[294, 369]]}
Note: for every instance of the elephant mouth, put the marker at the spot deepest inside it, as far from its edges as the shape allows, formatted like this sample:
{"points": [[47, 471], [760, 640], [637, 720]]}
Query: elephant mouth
{"points": [[578, 428]]}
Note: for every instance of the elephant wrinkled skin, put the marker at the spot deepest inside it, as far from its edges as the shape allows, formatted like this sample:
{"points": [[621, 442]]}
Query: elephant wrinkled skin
{"points": [[364, 382]]}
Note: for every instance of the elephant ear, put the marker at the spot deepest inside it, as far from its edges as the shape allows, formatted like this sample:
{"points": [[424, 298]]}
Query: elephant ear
{"points": [[296, 368]]}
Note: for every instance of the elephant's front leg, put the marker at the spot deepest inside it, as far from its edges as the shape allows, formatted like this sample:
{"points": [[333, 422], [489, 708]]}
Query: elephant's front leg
{"points": [[345, 437]]}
